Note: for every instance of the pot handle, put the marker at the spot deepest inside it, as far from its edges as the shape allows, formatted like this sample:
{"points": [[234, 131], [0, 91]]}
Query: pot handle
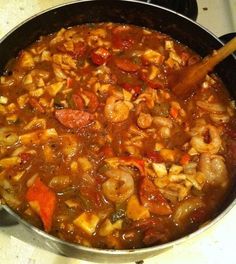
{"points": [[5, 218]]}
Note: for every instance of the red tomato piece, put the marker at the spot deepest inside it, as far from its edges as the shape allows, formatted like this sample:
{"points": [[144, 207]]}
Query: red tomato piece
{"points": [[155, 156], [152, 198], [199, 215], [73, 118], [79, 49], [36, 105], [69, 82], [100, 56], [123, 43], [78, 101], [174, 112], [154, 84], [185, 159], [93, 101], [106, 151], [92, 196], [138, 163], [46, 202], [25, 157], [126, 65], [134, 89]]}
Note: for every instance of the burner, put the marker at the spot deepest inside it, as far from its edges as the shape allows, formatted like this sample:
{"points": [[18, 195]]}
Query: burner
{"points": [[188, 8]]}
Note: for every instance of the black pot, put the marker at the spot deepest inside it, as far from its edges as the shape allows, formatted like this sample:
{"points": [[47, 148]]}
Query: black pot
{"points": [[132, 12]]}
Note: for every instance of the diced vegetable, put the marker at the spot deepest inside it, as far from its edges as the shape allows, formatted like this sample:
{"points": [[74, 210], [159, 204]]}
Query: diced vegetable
{"points": [[36, 93], [168, 154], [72, 203], [3, 100], [36, 105], [155, 155], [59, 182], [100, 56], [38, 137], [126, 65], [160, 169], [135, 210], [55, 88], [175, 169], [18, 176], [87, 222], [8, 137], [70, 145], [36, 123], [26, 59], [108, 228], [185, 159], [152, 56], [22, 100], [9, 162], [43, 201], [84, 163]]}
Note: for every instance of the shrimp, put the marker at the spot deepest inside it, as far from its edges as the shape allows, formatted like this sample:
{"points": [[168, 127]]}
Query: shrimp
{"points": [[211, 107], [119, 187], [214, 169], [199, 144], [149, 97], [144, 120], [220, 118], [117, 110], [162, 121]]}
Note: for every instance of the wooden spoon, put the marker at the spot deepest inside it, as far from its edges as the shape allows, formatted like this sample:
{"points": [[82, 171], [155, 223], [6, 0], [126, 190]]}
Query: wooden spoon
{"points": [[186, 80]]}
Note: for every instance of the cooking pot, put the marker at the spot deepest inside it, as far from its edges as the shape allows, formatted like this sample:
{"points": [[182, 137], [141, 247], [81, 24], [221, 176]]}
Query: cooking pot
{"points": [[132, 12]]}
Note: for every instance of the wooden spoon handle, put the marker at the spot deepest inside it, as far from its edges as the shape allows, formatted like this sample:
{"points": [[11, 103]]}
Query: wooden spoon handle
{"points": [[219, 55], [185, 81]]}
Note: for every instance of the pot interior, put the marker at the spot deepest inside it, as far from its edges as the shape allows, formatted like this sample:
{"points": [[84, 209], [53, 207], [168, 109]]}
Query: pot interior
{"points": [[137, 13]]}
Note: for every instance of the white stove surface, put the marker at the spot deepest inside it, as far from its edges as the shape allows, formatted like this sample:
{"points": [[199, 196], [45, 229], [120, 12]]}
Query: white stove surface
{"points": [[216, 245]]}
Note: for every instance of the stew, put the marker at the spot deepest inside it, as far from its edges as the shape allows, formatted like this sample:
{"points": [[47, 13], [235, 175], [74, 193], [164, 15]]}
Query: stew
{"points": [[96, 150]]}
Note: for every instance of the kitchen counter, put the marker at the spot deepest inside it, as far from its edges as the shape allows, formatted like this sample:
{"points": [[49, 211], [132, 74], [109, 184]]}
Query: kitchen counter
{"points": [[216, 245]]}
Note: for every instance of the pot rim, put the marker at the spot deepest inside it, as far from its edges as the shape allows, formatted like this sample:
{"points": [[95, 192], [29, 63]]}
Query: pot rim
{"points": [[118, 252], [82, 1]]}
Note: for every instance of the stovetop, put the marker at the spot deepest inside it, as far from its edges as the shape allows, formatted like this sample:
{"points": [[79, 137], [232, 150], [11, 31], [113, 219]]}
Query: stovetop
{"points": [[217, 244], [188, 8]]}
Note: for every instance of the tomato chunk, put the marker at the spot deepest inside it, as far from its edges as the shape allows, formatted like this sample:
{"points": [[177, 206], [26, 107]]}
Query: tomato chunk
{"points": [[126, 65], [45, 199], [79, 49], [93, 101], [73, 118], [134, 89], [123, 43], [100, 56], [184, 159], [154, 84], [79, 104], [36, 105], [138, 163], [154, 156], [106, 151], [25, 157], [152, 198]]}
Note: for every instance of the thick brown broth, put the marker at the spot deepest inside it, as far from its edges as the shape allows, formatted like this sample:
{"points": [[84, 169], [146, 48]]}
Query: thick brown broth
{"points": [[96, 150]]}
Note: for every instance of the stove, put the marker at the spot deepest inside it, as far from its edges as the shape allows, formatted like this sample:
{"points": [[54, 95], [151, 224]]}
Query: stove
{"points": [[216, 245]]}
